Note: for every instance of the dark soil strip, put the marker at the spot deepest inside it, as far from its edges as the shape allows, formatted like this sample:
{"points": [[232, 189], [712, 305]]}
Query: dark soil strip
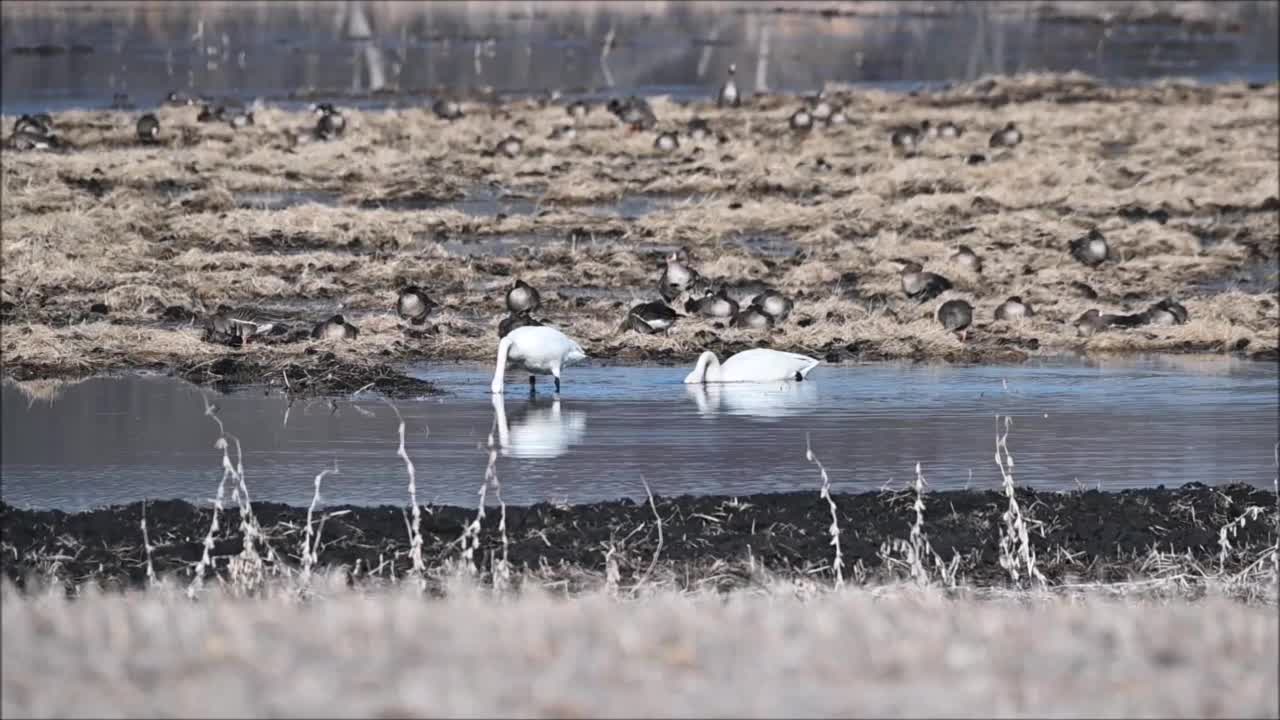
{"points": [[1090, 536], [308, 375]]}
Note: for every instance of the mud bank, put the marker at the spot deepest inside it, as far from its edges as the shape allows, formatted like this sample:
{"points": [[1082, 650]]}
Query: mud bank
{"points": [[1086, 536]]}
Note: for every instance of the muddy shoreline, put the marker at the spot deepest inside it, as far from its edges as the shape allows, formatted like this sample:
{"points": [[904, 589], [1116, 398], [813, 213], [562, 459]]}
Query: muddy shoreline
{"points": [[1078, 536]]}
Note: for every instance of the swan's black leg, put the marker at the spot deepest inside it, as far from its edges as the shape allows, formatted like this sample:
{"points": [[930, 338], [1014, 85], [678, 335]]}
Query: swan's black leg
{"points": [[557, 384], [533, 389]]}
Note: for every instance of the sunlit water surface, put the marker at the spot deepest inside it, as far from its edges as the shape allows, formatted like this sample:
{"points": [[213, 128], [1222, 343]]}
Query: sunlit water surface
{"points": [[1112, 425]]}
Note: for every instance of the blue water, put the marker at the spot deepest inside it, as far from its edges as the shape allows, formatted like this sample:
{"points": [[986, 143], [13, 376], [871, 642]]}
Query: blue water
{"points": [[1117, 424]]}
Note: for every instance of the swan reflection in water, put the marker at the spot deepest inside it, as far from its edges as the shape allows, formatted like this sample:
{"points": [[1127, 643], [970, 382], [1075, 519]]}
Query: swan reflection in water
{"points": [[538, 429], [767, 400]]}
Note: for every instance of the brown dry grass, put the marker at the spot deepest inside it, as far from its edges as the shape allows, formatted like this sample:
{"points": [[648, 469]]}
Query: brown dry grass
{"points": [[142, 228]]}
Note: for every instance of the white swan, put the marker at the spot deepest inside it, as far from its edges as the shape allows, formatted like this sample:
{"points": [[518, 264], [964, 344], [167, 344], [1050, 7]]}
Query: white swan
{"points": [[756, 365], [540, 350]]}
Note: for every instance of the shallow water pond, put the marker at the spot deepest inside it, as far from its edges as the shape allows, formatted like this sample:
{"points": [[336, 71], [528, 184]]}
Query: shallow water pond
{"points": [[1112, 425], [478, 202]]}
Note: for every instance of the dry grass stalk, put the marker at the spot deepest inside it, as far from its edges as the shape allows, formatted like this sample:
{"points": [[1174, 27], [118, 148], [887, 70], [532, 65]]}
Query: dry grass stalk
{"points": [[918, 541], [657, 518], [612, 573], [415, 528], [146, 546], [246, 570], [1016, 552], [205, 560], [311, 549], [1228, 531], [471, 533], [837, 563], [916, 548]]}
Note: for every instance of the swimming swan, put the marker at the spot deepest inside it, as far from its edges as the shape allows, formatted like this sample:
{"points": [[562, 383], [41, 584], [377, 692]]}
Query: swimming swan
{"points": [[538, 349], [756, 365]]}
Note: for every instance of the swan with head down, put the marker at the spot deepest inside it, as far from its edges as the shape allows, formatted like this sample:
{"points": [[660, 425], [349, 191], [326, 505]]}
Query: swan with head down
{"points": [[537, 349], [755, 365]]}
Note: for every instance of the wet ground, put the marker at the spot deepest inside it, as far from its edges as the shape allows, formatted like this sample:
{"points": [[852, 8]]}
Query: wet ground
{"points": [[1075, 424], [1088, 536], [63, 55]]}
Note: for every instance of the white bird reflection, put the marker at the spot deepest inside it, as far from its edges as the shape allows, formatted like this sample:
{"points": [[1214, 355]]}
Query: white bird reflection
{"points": [[539, 429], [769, 400]]}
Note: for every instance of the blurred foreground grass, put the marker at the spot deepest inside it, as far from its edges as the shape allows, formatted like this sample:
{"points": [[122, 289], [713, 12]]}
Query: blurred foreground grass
{"points": [[787, 649]]}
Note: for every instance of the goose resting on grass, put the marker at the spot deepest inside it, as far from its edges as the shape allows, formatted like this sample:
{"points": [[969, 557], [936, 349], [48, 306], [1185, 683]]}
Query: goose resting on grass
{"points": [[956, 315], [236, 326], [563, 132], [1166, 312], [1007, 136], [1090, 323], [523, 297], [446, 109], [774, 304], [538, 350], [414, 305], [801, 120], [330, 122], [148, 129], [649, 318], [698, 130], [920, 285], [510, 146], [909, 138], [713, 304], [578, 109], [666, 142], [1013, 309], [1091, 250], [949, 130], [752, 318], [755, 365], [677, 276], [965, 257], [335, 328]]}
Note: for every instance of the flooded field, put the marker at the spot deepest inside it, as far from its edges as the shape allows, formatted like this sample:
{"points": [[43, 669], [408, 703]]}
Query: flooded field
{"points": [[116, 256], [248, 343], [1110, 426]]}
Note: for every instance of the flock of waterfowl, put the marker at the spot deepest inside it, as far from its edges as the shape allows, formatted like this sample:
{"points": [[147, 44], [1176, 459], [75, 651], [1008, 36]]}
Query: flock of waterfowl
{"points": [[683, 292]]}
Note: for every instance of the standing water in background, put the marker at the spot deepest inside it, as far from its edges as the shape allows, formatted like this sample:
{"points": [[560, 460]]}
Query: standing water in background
{"points": [[63, 55]]}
